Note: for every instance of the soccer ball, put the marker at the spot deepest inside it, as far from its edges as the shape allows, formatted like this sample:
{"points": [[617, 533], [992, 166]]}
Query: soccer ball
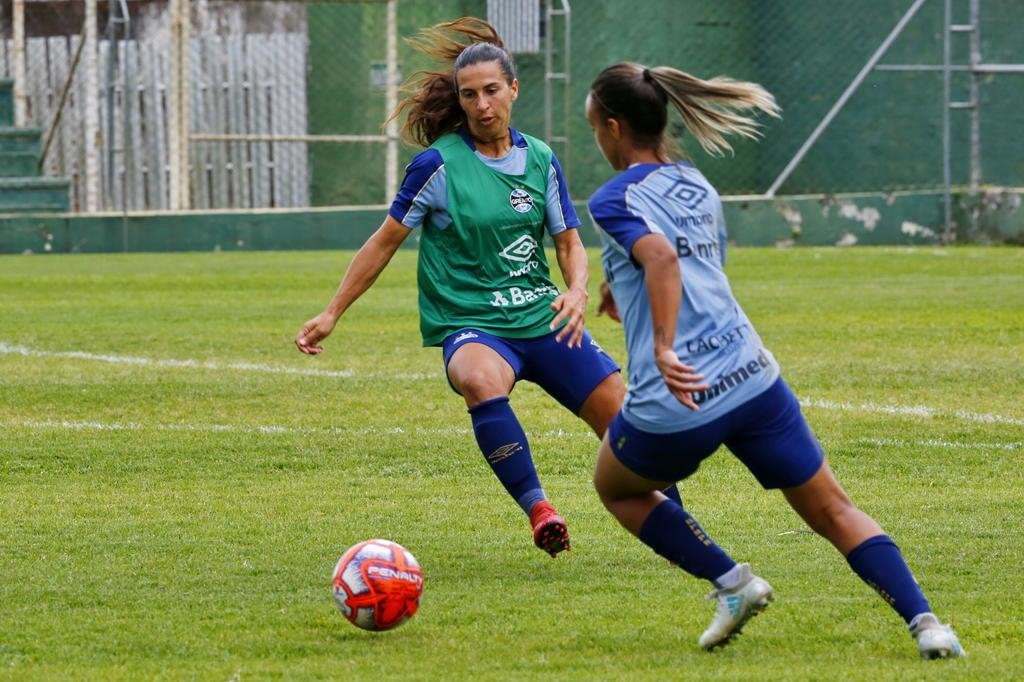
{"points": [[377, 584]]}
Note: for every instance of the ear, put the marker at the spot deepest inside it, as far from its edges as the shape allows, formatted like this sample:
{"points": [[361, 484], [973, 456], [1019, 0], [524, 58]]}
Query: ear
{"points": [[515, 89], [614, 127]]}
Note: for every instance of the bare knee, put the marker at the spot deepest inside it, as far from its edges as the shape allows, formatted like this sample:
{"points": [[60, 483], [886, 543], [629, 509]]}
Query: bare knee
{"points": [[603, 403], [830, 516], [606, 490], [478, 384]]}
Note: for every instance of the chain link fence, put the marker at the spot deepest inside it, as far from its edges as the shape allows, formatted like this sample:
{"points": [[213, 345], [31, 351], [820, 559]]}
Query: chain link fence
{"points": [[282, 102]]}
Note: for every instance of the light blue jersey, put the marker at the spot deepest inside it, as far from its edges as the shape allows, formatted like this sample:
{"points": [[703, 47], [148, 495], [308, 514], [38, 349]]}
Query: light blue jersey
{"points": [[713, 333]]}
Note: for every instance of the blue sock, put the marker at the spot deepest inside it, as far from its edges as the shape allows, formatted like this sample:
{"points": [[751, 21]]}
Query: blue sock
{"points": [[504, 445], [672, 493], [671, 532], [879, 563]]}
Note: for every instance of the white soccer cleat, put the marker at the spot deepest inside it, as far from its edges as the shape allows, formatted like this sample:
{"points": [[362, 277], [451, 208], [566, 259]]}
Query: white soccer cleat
{"points": [[934, 639], [735, 607]]}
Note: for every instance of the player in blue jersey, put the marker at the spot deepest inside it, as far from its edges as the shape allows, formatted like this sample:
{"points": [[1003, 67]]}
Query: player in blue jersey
{"points": [[483, 196], [699, 375]]}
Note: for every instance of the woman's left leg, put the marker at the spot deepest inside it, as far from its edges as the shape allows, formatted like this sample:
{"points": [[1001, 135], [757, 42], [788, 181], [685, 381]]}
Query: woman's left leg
{"points": [[601, 406], [667, 528]]}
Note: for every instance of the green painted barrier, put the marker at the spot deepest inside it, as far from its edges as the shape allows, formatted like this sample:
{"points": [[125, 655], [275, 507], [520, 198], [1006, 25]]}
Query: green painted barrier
{"points": [[872, 219]]}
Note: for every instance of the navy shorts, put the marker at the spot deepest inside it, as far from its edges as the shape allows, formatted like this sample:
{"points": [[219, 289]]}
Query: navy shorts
{"points": [[767, 433], [569, 375]]}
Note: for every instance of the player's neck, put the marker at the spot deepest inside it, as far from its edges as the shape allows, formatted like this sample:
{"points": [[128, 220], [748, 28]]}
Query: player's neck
{"points": [[495, 148], [633, 156]]}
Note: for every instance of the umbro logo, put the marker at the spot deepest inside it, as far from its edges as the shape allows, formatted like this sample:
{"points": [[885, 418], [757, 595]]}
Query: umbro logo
{"points": [[687, 193], [521, 250], [504, 452], [463, 336]]}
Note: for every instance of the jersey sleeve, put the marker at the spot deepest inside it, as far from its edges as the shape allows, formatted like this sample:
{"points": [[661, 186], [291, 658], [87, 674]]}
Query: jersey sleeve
{"points": [[422, 191], [611, 212], [561, 215]]}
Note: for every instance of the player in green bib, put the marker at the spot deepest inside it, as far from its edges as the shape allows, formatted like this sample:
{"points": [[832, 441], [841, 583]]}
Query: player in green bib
{"points": [[483, 196]]}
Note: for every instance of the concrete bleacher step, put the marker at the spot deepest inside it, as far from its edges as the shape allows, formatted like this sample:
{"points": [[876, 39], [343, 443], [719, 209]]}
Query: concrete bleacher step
{"points": [[18, 164], [6, 102], [25, 195], [20, 139]]}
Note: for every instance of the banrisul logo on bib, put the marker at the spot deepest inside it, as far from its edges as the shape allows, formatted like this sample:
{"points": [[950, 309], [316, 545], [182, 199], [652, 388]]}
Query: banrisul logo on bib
{"points": [[521, 200]]}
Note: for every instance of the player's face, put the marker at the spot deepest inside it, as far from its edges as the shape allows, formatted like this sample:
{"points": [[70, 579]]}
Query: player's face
{"points": [[486, 97], [605, 134]]}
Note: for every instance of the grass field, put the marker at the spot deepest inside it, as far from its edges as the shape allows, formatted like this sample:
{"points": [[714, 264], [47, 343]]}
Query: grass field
{"points": [[177, 481]]}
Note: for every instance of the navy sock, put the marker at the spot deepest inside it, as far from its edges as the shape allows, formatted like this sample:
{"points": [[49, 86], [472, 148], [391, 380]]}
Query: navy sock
{"points": [[879, 563], [671, 532], [504, 445], [672, 493]]}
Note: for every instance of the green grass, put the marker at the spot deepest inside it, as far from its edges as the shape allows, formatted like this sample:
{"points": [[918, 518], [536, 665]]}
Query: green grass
{"points": [[181, 522]]}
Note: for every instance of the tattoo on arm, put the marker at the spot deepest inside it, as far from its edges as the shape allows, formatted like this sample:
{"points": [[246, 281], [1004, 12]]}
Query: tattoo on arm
{"points": [[661, 338]]}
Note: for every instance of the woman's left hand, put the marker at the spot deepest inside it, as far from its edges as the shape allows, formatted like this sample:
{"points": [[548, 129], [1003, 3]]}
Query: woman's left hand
{"points": [[571, 306]]}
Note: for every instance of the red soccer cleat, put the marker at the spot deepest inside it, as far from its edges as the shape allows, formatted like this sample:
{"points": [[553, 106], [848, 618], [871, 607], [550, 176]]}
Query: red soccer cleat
{"points": [[549, 530]]}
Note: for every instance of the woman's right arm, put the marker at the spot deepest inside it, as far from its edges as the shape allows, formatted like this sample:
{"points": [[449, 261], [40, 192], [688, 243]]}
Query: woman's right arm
{"points": [[663, 280], [368, 263]]}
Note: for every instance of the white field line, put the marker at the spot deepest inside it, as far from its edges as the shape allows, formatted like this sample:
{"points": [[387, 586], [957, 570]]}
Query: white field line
{"points": [[8, 349], [911, 411], [75, 425], [900, 410]]}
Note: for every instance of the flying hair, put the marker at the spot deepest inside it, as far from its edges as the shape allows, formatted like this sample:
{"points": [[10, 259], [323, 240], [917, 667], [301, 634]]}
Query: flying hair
{"points": [[711, 109], [431, 106]]}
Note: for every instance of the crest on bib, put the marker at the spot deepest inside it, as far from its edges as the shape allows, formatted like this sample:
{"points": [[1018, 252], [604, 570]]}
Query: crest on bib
{"points": [[521, 200]]}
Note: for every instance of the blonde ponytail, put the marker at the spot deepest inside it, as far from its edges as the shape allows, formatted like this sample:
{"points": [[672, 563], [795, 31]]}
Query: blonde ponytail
{"points": [[712, 109]]}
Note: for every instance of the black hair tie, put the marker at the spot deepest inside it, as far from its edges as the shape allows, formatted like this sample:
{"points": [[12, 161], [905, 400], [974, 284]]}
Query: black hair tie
{"points": [[647, 75]]}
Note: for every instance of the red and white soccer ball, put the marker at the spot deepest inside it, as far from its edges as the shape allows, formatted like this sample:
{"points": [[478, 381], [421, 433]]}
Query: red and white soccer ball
{"points": [[377, 584]]}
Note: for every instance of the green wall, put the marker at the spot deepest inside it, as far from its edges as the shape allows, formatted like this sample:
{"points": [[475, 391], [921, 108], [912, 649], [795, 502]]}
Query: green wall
{"points": [[871, 219], [889, 137]]}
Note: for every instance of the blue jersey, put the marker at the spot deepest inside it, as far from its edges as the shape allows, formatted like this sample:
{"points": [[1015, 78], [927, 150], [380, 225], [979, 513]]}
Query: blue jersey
{"points": [[425, 188], [713, 333]]}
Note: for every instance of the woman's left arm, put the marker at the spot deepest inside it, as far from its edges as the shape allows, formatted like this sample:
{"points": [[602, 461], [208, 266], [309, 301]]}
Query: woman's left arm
{"points": [[571, 305]]}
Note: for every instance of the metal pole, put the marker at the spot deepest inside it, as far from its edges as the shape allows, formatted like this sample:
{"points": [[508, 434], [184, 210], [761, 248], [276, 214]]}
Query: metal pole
{"points": [[566, 149], [946, 74], [60, 105], [128, 97], [391, 103], [93, 146], [548, 48], [18, 65], [975, 96], [112, 61], [177, 104], [841, 102]]}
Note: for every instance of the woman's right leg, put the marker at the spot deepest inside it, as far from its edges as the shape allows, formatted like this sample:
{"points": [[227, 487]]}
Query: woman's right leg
{"points": [[827, 509], [484, 379]]}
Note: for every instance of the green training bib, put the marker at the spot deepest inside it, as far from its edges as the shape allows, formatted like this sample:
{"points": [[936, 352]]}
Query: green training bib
{"points": [[487, 269]]}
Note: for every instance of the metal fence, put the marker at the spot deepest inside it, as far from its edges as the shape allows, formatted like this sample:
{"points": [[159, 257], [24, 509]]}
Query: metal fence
{"points": [[210, 104]]}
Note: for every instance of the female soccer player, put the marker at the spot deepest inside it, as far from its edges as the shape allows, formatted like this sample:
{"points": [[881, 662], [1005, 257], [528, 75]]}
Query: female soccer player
{"points": [[699, 374], [483, 195]]}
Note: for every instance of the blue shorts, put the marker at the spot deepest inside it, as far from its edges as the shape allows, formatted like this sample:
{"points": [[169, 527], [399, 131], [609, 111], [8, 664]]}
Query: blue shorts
{"points": [[767, 433], [569, 375]]}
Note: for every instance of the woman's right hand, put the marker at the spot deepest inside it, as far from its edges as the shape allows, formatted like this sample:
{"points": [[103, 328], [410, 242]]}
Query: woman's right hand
{"points": [[682, 380], [606, 306], [315, 331]]}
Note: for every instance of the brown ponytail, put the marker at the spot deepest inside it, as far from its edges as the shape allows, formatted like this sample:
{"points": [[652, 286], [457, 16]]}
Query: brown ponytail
{"points": [[432, 105]]}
